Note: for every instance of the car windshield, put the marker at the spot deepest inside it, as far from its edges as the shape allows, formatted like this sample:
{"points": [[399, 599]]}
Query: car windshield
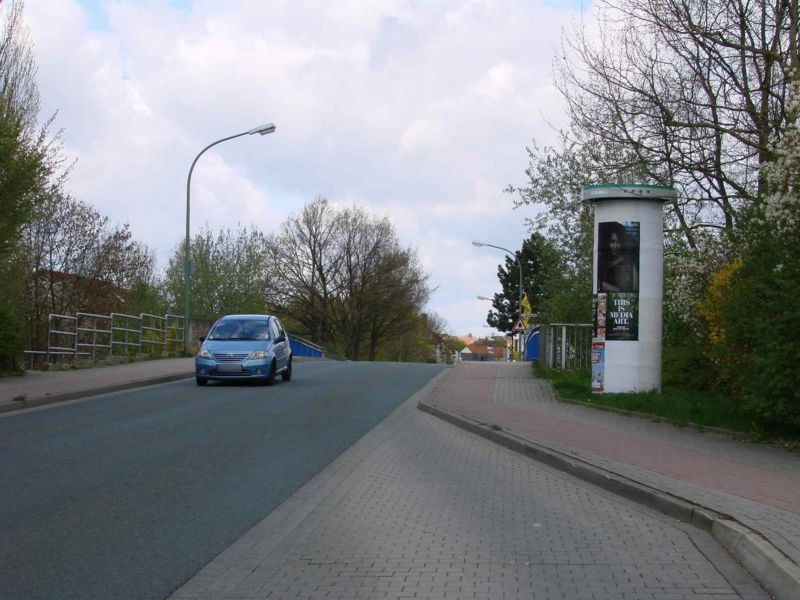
{"points": [[240, 329]]}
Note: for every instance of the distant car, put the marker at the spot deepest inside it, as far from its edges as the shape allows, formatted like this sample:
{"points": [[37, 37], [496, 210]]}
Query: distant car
{"points": [[244, 348]]}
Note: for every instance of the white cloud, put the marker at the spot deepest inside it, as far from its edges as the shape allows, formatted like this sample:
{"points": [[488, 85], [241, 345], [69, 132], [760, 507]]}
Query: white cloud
{"points": [[417, 110], [423, 135], [497, 83]]}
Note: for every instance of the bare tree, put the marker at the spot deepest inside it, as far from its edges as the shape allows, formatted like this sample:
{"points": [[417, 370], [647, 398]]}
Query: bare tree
{"points": [[305, 261], [362, 244], [17, 68], [695, 91], [76, 261], [395, 298], [342, 275]]}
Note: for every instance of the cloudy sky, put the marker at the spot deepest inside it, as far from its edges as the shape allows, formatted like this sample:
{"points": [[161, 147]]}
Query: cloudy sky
{"points": [[420, 110]]}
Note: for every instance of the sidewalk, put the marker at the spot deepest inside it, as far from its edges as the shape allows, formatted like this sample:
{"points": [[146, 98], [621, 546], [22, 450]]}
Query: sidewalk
{"points": [[419, 509], [756, 486], [35, 388]]}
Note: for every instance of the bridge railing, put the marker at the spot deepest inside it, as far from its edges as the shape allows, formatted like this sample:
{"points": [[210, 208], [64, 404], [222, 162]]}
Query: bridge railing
{"points": [[302, 347], [94, 334], [87, 335]]}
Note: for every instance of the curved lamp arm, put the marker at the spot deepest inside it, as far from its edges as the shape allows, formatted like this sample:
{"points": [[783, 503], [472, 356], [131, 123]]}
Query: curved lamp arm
{"points": [[514, 255], [261, 130]]}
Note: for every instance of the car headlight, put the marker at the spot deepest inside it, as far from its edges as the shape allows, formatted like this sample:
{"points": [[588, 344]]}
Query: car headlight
{"points": [[257, 355], [204, 353]]}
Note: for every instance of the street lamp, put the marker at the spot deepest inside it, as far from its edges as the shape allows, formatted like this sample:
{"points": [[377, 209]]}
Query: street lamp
{"points": [[261, 130], [485, 298], [514, 254]]}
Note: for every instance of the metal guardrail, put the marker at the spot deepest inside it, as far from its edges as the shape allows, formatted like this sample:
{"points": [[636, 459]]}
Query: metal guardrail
{"points": [[101, 336], [57, 329], [565, 346], [124, 330], [174, 331], [83, 331], [152, 336]]}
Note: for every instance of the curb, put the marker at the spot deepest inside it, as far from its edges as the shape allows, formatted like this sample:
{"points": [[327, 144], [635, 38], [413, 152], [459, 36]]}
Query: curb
{"points": [[15, 405], [768, 565]]}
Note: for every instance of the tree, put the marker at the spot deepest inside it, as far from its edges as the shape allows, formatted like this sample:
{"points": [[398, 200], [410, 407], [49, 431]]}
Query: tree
{"points": [[395, 300], [686, 93], [31, 163], [23, 168], [539, 258], [556, 177], [231, 274], [75, 260], [344, 278], [694, 90], [306, 264], [30, 169], [751, 309], [17, 70]]}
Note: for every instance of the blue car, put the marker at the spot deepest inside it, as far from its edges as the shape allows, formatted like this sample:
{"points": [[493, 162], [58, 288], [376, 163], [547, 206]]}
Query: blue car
{"points": [[244, 348]]}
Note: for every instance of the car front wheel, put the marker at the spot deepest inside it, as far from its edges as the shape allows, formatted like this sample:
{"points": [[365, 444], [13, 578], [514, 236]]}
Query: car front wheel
{"points": [[287, 374], [270, 380], [202, 381]]}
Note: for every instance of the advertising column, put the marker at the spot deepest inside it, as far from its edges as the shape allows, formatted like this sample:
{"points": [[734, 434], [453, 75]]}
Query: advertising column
{"points": [[627, 286]]}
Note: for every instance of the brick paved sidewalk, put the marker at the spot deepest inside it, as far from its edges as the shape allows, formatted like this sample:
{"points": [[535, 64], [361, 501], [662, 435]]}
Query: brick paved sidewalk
{"points": [[758, 485], [419, 509], [40, 387]]}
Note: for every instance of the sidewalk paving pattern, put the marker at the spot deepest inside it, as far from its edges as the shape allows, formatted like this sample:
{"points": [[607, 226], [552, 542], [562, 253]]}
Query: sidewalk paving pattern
{"points": [[418, 507], [421, 509], [758, 485]]}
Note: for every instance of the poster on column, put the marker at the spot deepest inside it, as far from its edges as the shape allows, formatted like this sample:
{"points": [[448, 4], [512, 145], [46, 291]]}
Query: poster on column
{"points": [[622, 317], [618, 256], [599, 309], [598, 365]]}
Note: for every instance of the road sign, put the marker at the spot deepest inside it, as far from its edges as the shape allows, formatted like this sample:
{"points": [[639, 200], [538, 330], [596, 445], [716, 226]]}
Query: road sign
{"points": [[519, 327]]}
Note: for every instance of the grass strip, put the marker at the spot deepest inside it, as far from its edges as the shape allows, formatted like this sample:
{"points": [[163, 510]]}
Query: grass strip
{"points": [[676, 405]]}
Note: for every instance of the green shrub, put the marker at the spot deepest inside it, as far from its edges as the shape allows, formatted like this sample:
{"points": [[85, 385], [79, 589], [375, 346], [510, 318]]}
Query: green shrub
{"points": [[760, 317], [686, 366], [11, 341]]}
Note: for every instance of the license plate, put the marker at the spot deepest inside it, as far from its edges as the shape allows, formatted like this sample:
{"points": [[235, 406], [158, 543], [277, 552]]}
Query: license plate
{"points": [[229, 368]]}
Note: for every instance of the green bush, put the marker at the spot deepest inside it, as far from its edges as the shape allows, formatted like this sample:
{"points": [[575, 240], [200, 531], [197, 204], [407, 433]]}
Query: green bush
{"points": [[686, 366], [761, 318], [11, 341]]}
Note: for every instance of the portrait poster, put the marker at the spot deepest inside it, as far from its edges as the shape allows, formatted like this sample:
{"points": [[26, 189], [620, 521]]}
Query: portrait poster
{"points": [[598, 365], [618, 256], [622, 317]]}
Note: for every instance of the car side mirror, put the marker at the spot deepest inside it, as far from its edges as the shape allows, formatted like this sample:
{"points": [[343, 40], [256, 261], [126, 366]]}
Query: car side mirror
{"points": [[202, 338], [281, 338]]}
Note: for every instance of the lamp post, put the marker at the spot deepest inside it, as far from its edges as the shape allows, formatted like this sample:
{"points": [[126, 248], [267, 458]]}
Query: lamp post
{"points": [[514, 254], [485, 298], [261, 130]]}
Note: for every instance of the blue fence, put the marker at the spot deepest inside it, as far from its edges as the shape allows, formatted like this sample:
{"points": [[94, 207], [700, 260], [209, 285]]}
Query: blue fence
{"points": [[532, 344], [302, 347]]}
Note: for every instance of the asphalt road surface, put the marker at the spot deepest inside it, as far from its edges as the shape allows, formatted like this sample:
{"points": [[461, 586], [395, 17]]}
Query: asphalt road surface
{"points": [[128, 495]]}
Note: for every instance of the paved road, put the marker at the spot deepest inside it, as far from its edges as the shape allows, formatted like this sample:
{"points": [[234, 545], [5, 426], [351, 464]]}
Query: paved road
{"points": [[421, 509], [128, 495]]}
